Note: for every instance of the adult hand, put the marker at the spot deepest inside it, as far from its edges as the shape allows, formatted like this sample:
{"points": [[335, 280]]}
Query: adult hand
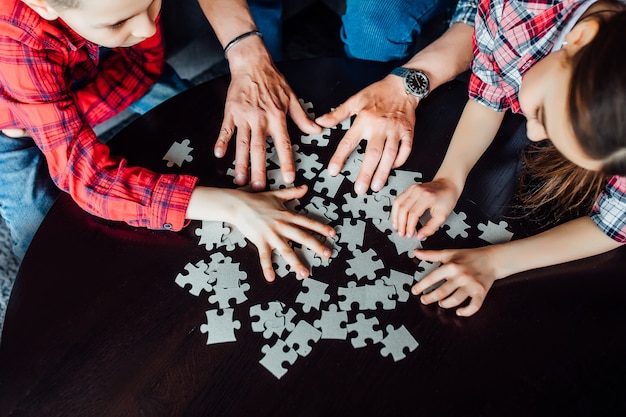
{"points": [[386, 119], [439, 196], [257, 103], [465, 272], [263, 218]]}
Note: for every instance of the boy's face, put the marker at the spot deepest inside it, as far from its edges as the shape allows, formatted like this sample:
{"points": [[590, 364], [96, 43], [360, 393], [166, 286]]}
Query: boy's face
{"points": [[112, 23], [543, 98]]}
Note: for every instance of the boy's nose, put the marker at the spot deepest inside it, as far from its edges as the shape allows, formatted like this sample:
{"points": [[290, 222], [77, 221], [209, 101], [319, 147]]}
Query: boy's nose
{"points": [[144, 27]]}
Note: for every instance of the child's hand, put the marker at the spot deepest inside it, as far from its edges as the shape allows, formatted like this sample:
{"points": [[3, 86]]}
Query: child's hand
{"points": [[263, 219], [467, 273], [440, 196]]}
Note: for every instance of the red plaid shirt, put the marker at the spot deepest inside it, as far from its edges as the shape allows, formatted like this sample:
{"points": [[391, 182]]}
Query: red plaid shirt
{"points": [[40, 61], [510, 36]]}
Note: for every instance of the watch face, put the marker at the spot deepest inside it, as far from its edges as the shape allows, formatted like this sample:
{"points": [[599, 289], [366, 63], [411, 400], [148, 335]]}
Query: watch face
{"points": [[417, 83]]}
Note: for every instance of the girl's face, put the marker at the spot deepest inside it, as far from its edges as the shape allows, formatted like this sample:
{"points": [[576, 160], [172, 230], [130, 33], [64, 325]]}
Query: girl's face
{"points": [[113, 23], [544, 100]]}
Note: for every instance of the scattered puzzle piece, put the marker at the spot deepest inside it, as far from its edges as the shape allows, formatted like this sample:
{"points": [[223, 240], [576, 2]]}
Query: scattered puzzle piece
{"points": [[276, 356], [367, 296], [314, 295], [365, 330], [363, 265], [332, 323], [397, 341], [456, 225], [301, 337], [178, 153], [196, 278], [495, 233], [220, 326]]}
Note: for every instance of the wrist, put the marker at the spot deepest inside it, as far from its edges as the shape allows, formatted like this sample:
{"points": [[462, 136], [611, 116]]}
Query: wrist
{"points": [[248, 54]]}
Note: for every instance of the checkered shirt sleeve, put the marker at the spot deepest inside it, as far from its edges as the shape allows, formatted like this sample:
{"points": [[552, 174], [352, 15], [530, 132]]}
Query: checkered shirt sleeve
{"points": [[609, 211]]}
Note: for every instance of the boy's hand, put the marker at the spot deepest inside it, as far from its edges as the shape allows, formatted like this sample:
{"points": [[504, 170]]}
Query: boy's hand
{"points": [[467, 273], [386, 119], [263, 218], [439, 196]]}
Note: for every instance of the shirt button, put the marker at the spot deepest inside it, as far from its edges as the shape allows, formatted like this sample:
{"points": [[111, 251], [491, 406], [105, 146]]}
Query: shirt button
{"points": [[167, 226]]}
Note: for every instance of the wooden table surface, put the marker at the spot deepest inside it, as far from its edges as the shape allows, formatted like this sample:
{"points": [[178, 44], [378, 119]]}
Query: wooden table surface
{"points": [[97, 326]]}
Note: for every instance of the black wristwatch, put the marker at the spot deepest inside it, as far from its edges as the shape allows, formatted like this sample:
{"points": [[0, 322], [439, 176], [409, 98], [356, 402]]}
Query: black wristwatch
{"points": [[416, 82]]}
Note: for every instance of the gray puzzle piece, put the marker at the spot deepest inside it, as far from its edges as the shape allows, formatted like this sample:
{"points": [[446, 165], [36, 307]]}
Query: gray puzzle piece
{"points": [[220, 326], [314, 295], [301, 337], [332, 323], [397, 341], [365, 330], [276, 356]]}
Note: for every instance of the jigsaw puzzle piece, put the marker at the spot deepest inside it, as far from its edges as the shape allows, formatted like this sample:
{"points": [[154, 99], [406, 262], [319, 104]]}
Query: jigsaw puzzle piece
{"points": [[332, 323], [363, 265], [301, 337], [220, 326], [276, 356], [365, 330], [313, 294], [401, 282], [196, 278], [495, 232], [178, 153], [397, 341]]}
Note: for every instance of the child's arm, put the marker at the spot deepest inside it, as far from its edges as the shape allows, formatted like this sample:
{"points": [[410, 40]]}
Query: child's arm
{"points": [[473, 135], [123, 77], [263, 219], [471, 272]]}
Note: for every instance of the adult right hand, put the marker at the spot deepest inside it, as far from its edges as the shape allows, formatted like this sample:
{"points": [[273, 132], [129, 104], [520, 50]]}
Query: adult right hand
{"points": [[385, 117]]}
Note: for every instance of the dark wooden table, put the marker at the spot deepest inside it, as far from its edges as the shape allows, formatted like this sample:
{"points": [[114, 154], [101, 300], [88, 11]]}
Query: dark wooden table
{"points": [[96, 325]]}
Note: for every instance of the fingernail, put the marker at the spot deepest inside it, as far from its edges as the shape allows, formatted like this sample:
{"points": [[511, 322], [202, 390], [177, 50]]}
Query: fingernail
{"points": [[377, 185], [258, 185], [219, 153], [360, 188], [289, 178], [333, 170], [240, 179], [327, 253]]}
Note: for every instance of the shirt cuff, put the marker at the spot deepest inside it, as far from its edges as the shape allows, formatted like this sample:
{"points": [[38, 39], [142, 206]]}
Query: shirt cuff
{"points": [[609, 209], [170, 201]]}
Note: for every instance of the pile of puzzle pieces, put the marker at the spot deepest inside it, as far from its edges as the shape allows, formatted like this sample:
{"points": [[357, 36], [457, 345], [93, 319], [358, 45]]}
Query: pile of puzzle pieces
{"points": [[369, 284]]}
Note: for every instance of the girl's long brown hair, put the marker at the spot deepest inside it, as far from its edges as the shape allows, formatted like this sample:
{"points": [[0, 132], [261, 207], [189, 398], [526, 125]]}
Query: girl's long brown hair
{"points": [[554, 189]]}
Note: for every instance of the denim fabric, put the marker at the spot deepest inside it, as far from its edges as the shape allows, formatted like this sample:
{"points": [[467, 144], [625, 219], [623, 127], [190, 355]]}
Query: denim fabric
{"points": [[386, 33], [26, 189], [169, 85], [267, 15]]}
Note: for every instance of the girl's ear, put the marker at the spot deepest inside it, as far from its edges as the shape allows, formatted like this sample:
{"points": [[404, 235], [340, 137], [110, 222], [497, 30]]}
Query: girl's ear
{"points": [[42, 8], [581, 34]]}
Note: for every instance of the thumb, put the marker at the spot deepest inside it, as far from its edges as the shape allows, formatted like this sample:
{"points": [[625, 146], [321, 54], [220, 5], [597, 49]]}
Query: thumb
{"points": [[290, 193], [441, 256], [333, 118]]}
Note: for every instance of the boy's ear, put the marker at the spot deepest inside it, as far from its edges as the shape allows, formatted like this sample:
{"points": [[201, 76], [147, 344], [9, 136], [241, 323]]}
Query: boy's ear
{"points": [[581, 34], [42, 8]]}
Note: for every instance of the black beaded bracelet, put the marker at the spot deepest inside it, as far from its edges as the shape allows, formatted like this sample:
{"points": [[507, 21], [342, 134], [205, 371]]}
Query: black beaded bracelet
{"points": [[239, 38]]}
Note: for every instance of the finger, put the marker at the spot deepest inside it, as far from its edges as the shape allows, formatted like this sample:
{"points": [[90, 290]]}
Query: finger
{"points": [[406, 145], [442, 256], [300, 117], [305, 222], [432, 278], [441, 292], [455, 299], [292, 259], [282, 145], [385, 165], [258, 159], [333, 118], [242, 155], [347, 144], [226, 133], [290, 193], [431, 226], [471, 308], [298, 235], [373, 153], [265, 256]]}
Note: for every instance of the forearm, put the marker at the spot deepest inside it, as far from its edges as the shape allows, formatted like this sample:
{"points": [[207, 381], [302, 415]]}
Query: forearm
{"points": [[576, 239], [446, 57], [229, 19], [474, 133]]}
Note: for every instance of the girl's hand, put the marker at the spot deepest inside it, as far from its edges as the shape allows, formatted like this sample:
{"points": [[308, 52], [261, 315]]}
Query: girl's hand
{"points": [[467, 273], [263, 218], [439, 196]]}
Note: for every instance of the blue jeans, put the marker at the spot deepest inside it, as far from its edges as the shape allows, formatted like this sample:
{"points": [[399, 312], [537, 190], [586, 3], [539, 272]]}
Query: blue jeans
{"points": [[26, 189], [388, 31], [371, 30]]}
